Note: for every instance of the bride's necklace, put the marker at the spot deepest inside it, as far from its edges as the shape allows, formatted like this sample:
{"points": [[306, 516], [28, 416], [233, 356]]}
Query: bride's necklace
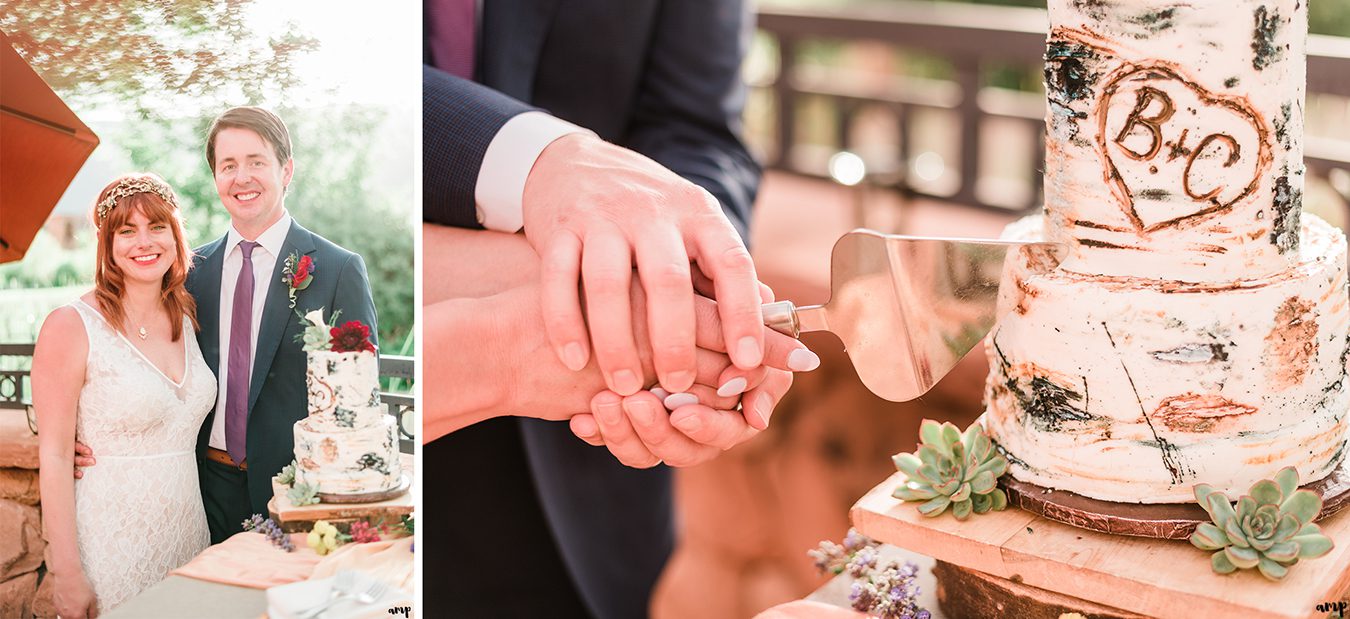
{"points": [[141, 331]]}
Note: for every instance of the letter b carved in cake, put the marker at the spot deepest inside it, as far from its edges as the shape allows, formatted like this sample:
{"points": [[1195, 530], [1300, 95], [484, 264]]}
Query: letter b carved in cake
{"points": [[1174, 152]]}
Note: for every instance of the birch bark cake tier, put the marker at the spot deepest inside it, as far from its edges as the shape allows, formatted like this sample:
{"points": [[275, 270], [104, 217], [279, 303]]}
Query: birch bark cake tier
{"points": [[1196, 330], [347, 444]]}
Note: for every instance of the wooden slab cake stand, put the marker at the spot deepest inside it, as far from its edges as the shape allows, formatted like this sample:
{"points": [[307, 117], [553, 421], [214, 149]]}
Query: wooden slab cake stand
{"points": [[1164, 521], [1017, 561], [301, 518]]}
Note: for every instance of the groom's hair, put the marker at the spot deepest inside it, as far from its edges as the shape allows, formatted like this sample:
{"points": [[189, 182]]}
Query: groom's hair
{"points": [[257, 120]]}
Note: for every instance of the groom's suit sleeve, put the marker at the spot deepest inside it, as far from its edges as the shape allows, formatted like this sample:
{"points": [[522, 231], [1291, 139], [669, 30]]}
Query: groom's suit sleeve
{"points": [[352, 296], [688, 112], [459, 120]]}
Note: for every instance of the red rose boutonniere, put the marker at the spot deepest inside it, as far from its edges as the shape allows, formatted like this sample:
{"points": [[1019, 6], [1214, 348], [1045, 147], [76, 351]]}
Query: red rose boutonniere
{"points": [[297, 275], [352, 336]]}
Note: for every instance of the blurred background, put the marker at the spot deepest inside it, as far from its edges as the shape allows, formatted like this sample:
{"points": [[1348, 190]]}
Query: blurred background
{"points": [[908, 116]]}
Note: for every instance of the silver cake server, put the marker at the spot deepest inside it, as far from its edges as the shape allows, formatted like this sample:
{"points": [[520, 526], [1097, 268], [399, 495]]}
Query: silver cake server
{"points": [[907, 308]]}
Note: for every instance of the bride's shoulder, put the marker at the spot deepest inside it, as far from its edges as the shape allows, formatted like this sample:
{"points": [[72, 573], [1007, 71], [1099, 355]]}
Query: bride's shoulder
{"points": [[63, 328]]}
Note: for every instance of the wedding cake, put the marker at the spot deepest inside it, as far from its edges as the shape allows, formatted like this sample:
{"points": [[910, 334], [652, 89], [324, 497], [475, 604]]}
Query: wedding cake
{"points": [[1196, 328], [347, 444]]}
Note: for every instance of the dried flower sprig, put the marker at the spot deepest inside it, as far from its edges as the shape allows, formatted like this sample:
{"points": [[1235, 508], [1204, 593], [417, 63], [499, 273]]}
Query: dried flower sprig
{"points": [[889, 592], [271, 529]]}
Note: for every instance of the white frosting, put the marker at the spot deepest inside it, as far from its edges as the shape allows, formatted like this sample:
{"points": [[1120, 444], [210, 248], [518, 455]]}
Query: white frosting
{"points": [[1128, 389], [1197, 330], [344, 389], [348, 462], [347, 444], [1169, 153]]}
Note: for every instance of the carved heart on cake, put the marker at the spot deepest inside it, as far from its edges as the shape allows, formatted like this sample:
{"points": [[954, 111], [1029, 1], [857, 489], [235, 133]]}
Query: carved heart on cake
{"points": [[1175, 152]]}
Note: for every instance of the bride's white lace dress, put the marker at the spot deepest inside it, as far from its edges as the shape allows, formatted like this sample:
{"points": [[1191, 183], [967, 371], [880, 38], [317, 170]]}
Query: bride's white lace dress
{"points": [[138, 511]]}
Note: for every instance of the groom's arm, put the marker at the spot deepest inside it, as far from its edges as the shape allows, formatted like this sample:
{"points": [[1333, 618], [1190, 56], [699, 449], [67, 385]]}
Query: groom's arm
{"points": [[352, 296]]}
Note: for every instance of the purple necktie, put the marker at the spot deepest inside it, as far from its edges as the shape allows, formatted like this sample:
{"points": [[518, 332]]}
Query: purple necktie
{"points": [[451, 38], [241, 358]]}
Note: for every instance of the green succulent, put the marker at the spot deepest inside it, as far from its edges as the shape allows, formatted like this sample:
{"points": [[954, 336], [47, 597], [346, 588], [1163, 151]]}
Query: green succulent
{"points": [[952, 468], [287, 475], [303, 494], [1270, 528]]}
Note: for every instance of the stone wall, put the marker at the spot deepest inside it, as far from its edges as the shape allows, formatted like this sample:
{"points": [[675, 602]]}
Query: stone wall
{"points": [[21, 543]]}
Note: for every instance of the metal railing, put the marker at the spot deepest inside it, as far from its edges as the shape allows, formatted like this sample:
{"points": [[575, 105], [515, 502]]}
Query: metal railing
{"points": [[971, 39], [14, 390]]}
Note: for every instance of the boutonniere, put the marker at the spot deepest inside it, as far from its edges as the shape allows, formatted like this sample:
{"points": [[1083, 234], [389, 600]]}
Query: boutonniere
{"points": [[297, 274]]}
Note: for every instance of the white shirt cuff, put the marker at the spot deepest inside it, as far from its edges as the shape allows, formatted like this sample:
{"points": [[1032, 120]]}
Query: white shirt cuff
{"points": [[500, 190]]}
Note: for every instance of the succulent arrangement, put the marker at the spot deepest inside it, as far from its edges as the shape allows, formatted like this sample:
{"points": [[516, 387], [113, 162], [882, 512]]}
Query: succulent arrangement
{"points": [[952, 469], [1270, 528]]}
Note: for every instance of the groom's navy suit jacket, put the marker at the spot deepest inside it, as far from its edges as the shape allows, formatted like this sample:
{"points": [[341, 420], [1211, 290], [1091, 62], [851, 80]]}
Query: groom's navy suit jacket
{"points": [[660, 77], [278, 396]]}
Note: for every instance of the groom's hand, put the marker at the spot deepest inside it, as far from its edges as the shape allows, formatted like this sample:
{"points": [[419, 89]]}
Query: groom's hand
{"points": [[84, 456], [592, 210]]}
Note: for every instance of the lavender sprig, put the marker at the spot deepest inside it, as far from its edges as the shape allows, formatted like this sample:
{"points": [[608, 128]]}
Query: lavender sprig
{"points": [[889, 592], [271, 530]]}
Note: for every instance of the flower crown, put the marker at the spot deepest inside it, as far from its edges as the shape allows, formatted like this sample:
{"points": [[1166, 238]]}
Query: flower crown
{"points": [[129, 187]]}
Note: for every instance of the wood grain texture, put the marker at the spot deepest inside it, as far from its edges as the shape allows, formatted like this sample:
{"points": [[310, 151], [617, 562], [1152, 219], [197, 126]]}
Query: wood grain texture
{"points": [[968, 593], [1154, 577]]}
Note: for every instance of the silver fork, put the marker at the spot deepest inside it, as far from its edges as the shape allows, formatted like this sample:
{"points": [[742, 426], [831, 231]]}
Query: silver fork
{"points": [[375, 591], [372, 593], [343, 584]]}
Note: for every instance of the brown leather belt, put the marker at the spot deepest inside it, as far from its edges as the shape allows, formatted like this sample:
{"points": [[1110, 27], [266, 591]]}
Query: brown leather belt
{"points": [[223, 457]]}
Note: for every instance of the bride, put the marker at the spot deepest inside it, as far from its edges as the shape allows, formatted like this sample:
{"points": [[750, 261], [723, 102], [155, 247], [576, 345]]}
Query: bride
{"points": [[120, 370]]}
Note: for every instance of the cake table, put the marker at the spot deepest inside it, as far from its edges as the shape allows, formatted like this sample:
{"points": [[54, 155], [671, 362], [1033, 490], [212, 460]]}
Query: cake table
{"points": [[1015, 550]]}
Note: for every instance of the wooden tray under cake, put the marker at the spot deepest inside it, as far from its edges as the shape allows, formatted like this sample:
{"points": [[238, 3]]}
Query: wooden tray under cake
{"points": [[1153, 577]]}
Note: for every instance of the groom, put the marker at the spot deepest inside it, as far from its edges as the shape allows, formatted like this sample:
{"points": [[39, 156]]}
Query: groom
{"points": [[248, 327]]}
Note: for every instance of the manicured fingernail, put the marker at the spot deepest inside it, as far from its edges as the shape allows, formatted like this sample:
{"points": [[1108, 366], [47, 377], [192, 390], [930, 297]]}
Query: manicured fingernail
{"points": [[748, 351], [574, 357], [763, 408], [659, 393], [802, 360], [688, 424], [681, 380], [676, 400], [641, 412], [626, 382], [732, 387]]}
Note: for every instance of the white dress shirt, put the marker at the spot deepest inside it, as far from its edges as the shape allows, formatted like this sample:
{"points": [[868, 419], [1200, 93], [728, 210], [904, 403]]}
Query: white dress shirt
{"points": [[264, 264], [500, 190]]}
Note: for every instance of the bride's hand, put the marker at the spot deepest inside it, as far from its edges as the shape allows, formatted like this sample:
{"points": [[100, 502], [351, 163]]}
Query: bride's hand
{"points": [[73, 597], [84, 456]]}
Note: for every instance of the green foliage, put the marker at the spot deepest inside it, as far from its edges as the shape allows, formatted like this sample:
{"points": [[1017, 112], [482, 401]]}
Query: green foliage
{"points": [[150, 54], [1270, 528], [953, 469]]}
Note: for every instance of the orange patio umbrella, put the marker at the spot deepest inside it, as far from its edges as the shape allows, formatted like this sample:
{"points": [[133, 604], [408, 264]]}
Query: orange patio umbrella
{"points": [[42, 146]]}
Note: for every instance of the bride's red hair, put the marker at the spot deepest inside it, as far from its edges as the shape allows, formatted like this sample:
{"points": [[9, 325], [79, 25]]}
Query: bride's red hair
{"points": [[109, 282]]}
